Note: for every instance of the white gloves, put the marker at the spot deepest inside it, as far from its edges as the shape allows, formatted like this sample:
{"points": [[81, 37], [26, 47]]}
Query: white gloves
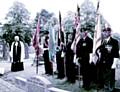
{"points": [[93, 58], [115, 62], [62, 54]]}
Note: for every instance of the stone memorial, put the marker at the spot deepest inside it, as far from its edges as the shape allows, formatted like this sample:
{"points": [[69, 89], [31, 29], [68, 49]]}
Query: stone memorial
{"points": [[117, 77], [53, 89], [26, 51], [1, 49], [38, 84], [4, 50], [2, 71], [21, 83]]}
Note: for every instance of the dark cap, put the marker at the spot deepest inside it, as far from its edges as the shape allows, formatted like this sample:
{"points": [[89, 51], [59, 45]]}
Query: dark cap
{"points": [[107, 29], [46, 32], [83, 29]]}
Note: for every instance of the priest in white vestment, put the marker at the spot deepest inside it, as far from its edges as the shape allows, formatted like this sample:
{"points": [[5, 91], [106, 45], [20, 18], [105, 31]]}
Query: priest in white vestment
{"points": [[17, 54]]}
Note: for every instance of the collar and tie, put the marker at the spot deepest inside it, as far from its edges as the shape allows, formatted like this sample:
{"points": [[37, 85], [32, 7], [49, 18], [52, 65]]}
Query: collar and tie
{"points": [[105, 41]]}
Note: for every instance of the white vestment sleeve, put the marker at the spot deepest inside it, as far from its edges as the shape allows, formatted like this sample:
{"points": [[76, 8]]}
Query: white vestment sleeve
{"points": [[22, 51], [11, 52]]}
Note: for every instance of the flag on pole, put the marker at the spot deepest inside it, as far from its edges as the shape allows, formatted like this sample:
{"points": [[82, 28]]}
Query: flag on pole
{"points": [[77, 27], [98, 6], [97, 36], [36, 38], [60, 31], [51, 44]]}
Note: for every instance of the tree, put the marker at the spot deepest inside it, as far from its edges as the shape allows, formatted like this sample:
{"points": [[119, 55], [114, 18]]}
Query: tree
{"points": [[68, 21], [17, 23], [44, 16], [88, 16]]}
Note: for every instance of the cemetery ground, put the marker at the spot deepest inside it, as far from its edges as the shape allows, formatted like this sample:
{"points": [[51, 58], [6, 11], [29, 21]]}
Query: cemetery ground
{"points": [[8, 78]]}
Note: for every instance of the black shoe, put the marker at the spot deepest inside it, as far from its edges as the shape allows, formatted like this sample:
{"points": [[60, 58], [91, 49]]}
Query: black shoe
{"points": [[86, 87]]}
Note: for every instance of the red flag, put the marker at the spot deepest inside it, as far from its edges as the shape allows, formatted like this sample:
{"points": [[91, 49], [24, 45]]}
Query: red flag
{"points": [[36, 37]]}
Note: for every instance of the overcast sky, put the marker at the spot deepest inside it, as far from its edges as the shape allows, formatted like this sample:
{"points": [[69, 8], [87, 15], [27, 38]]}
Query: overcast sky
{"points": [[108, 8]]}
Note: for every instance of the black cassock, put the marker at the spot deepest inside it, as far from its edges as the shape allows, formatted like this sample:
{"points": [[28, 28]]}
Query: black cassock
{"points": [[70, 66], [109, 50], [17, 65], [84, 48]]}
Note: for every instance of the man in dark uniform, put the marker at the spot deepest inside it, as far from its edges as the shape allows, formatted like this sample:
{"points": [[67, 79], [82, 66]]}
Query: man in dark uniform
{"points": [[109, 51], [70, 66], [60, 56], [47, 63], [17, 54], [84, 48]]}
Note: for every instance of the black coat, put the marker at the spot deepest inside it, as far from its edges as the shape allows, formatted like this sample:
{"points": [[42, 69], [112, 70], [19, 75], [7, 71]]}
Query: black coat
{"points": [[84, 48], [106, 55], [106, 75]]}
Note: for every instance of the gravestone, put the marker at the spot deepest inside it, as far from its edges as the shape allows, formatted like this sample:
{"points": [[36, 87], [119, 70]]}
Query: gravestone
{"points": [[26, 51], [21, 83], [4, 50], [1, 49], [117, 76], [53, 89], [38, 84], [2, 71]]}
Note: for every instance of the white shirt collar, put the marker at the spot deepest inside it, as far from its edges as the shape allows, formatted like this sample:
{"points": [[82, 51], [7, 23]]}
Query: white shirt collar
{"points": [[107, 39]]}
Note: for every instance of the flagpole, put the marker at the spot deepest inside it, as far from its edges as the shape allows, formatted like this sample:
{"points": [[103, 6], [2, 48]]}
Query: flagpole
{"points": [[36, 43], [37, 65], [78, 20], [98, 15], [63, 42]]}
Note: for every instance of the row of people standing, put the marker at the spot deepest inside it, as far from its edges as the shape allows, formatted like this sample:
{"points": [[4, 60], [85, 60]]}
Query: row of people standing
{"points": [[102, 73]]}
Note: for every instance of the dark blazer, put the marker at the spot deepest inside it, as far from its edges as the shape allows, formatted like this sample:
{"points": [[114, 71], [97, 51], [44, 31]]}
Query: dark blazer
{"points": [[84, 48], [107, 56]]}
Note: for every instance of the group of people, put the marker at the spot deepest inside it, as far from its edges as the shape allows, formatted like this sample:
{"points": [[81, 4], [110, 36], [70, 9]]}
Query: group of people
{"points": [[101, 73]]}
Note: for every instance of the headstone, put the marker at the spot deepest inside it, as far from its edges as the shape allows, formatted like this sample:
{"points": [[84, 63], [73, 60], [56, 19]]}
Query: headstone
{"points": [[38, 84], [117, 77], [1, 49], [2, 71], [117, 84], [53, 89], [26, 51], [5, 51], [21, 82]]}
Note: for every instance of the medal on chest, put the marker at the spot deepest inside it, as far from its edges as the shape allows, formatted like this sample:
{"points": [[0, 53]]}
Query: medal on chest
{"points": [[84, 44], [109, 48]]}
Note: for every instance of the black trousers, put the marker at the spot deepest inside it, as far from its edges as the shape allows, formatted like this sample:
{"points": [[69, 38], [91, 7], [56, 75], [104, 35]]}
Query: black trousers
{"points": [[106, 76], [85, 71], [60, 65], [47, 63]]}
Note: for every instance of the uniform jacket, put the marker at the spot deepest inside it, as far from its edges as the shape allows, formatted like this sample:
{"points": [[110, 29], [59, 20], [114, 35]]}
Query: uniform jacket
{"points": [[108, 50]]}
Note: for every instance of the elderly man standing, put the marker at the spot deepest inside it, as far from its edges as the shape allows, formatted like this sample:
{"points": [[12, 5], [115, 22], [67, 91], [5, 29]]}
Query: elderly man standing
{"points": [[17, 54], [109, 54]]}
